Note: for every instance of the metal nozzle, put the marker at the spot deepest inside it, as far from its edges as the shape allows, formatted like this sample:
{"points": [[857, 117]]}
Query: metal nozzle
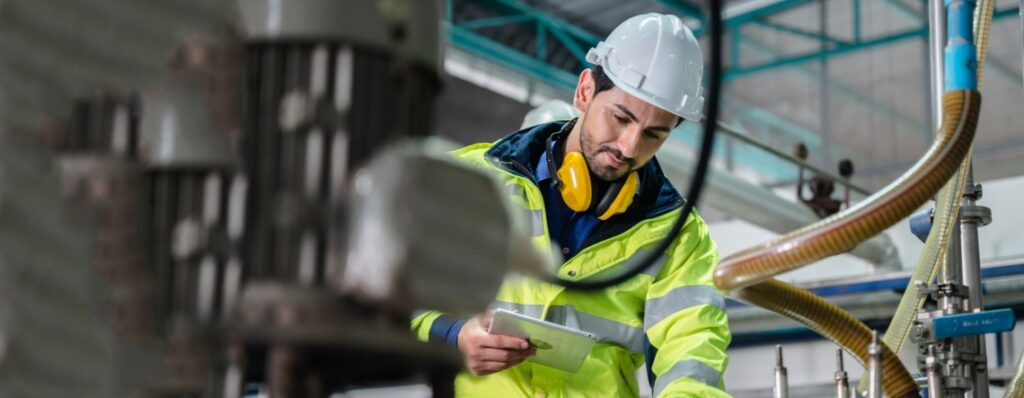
{"points": [[874, 367], [778, 355], [781, 381], [842, 383]]}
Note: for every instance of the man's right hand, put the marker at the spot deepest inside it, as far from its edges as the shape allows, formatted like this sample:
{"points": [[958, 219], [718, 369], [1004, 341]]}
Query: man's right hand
{"points": [[486, 353]]}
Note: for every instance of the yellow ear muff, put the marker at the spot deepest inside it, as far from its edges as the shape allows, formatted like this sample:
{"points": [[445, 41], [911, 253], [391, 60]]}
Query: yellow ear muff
{"points": [[623, 198], [575, 182]]}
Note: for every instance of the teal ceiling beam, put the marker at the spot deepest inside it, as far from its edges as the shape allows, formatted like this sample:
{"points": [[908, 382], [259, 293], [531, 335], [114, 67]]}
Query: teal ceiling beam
{"points": [[734, 73], [491, 22], [839, 89], [571, 44], [513, 6], [761, 12], [907, 12], [683, 8], [470, 41], [816, 36]]}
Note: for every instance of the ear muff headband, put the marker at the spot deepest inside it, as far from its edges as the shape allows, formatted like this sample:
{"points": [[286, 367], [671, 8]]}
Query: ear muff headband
{"points": [[572, 179], [618, 199]]}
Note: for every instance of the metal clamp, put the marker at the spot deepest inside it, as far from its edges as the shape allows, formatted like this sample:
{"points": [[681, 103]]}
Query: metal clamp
{"points": [[979, 214]]}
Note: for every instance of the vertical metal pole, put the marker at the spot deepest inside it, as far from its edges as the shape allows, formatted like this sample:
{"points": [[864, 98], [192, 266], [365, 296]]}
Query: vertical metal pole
{"points": [[856, 21], [961, 73], [971, 265], [781, 380], [929, 107], [874, 367], [936, 44], [735, 41], [1020, 10], [936, 47], [932, 368], [952, 273], [842, 383], [823, 85]]}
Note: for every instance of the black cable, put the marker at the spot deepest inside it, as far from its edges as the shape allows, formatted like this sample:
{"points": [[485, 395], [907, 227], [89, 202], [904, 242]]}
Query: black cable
{"points": [[697, 184]]}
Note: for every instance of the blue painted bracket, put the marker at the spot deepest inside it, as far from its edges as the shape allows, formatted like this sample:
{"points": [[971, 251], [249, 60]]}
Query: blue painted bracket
{"points": [[976, 323], [921, 224]]}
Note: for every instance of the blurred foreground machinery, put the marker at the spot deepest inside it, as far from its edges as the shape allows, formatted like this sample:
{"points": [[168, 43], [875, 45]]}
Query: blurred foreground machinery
{"points": [[173, 213]]}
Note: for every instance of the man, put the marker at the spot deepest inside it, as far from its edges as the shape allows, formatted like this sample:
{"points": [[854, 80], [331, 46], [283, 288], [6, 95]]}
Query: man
{"points": [[646, 81]]}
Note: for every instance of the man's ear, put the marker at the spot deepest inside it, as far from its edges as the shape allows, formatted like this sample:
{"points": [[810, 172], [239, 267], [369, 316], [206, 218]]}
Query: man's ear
{"points": [[584, 91]]}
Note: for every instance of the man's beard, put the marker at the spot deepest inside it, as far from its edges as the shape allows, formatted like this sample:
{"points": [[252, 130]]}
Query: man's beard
{"points": [[598, 168]]}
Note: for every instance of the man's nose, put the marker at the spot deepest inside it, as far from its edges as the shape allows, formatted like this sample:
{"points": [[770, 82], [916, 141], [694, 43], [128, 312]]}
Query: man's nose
{"points": [[629, 143]]}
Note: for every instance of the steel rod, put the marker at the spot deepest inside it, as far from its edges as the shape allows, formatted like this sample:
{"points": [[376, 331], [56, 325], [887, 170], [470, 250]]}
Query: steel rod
{"points": [[731, 132]]}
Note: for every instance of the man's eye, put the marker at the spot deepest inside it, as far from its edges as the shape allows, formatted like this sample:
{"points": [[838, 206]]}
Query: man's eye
{"points": [[620, 119], [651, 135]]}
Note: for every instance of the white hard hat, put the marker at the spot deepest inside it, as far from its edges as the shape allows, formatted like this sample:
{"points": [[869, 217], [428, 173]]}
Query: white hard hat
{"points": [[548, 112], [655, 58]]}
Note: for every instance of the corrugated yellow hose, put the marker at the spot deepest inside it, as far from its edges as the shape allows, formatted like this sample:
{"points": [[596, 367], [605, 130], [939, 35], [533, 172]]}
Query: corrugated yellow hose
{"points": [[841, 232], [748, 273], [832, 322], [947, 207], [1015, 388]]}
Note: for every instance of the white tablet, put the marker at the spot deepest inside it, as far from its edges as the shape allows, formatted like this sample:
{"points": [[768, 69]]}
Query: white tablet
{"points": [[557, 346]]}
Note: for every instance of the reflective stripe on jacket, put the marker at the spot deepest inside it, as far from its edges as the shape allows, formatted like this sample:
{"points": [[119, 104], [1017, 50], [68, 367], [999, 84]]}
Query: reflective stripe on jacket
{"points": [[671, 315]]}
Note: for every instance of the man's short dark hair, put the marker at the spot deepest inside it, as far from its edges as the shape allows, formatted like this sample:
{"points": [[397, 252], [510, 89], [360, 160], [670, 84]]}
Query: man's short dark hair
{"points": [[603, 83]]}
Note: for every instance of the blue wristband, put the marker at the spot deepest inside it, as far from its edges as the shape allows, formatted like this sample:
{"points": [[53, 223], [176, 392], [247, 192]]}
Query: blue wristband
{"points": [[453, 332], [446, 328]]}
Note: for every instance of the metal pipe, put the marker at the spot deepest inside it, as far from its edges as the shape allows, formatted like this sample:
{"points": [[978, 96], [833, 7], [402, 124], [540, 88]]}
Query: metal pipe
{"points": [[781, 381], [823, 84], [936, 44], [971, 270], [951, 273], [934, 374], [874, 367], [970, 257], [842, 382]]}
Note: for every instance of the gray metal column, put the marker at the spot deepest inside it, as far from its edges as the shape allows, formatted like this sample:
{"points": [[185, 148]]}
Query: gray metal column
{"points": [[937, 42], [972, 217]]}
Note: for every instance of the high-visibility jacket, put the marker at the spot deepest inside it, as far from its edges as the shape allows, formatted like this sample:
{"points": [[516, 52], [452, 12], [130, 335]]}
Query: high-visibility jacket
{"points": [[671, 315]]}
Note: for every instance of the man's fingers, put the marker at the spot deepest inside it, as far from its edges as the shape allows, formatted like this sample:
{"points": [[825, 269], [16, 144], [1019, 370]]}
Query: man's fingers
{"points": [[499, 355], [504, 342]]}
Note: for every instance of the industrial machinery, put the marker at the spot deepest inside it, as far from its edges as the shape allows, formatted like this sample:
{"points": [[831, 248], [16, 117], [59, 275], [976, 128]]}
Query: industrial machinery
{"points": [[243, 196], [821, 200]]}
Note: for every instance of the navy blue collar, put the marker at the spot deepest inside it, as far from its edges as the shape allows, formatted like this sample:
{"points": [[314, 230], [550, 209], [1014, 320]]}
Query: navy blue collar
{"points": [[521, 150]]}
